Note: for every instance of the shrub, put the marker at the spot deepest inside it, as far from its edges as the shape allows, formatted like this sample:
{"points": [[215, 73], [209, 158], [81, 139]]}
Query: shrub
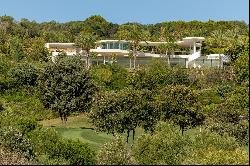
{"points": [[178, 76], [111, 77], [46, 160], [158, 74], [5, 65], [209, 148], [115, 152], [239, 131], [212, 156], [166, 145], [76, 152], [222, 90], [1, 106], [206, 139], [47, 142], [26, 125], [24, 74], [13, 140], [242, 66], [11, 158]]}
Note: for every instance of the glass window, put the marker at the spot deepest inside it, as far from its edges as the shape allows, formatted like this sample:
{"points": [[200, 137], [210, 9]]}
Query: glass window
{"points": [[116, 45], [111, 45], [125, 46], [104, 46]]}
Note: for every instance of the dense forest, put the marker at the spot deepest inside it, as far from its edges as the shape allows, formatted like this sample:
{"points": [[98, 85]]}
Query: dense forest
{"points": [[152, 114]]}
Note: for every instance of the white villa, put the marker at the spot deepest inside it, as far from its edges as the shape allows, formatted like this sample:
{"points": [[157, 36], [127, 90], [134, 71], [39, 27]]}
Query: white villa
{"points": [[106, 48]]}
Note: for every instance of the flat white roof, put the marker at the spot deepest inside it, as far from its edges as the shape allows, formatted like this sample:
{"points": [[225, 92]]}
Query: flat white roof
{"points": [[187, 41], [194, 38], [149, 43], [59, 45], [103, 41]]}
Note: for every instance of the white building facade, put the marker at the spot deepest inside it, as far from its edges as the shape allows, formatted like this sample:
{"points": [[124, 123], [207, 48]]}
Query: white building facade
{"points": [[106, 48]]}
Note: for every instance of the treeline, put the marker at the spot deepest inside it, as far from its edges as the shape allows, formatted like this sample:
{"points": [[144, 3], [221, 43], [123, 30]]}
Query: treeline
{"points": [[25, 38]]}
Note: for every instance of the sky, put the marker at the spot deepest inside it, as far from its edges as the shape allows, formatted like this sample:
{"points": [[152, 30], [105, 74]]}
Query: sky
{"points": [[123, 11]]}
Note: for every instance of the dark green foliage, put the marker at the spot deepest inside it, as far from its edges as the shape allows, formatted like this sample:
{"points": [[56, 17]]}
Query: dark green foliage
{"points": [[66, 86], [173, 94], [76, 152], [179, 104], [21, 104], [236, 104], [16, 50], [158, 74], [123, 111], [178, 76], [1, 106], [222, 90], [211, 148], [12, 139], [111, 77], [48, 142], [5, 65], [97, 25], [37, 51], [165, 146], [231, 116], [242, 67], [24, 74], [26, 125], [45, 141], [238, 131]]}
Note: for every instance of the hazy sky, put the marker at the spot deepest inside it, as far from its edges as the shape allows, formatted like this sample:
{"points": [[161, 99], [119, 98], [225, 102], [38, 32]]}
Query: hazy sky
{"points": [[122, 11]]}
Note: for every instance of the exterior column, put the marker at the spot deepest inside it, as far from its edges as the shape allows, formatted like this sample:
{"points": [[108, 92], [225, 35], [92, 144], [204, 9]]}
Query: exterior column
{"points": [[194, 46], [186, 63]]}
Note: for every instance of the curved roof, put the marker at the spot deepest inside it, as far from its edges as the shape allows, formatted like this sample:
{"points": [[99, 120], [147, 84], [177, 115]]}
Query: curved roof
{"points": [[189, 41]]}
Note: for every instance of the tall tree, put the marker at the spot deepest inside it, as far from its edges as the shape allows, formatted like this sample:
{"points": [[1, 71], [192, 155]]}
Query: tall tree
{"points": [[170, 102], [167, 47], [36, 50], [123, 111], [86, 41], [66, 86], [97, 25], [219, 42]]}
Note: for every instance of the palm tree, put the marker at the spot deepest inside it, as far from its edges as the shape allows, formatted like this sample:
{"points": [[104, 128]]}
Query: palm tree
{"points": [[170, 46], [218, 40], [134, 35], [163, 49], [130, 55], [86, 41]]}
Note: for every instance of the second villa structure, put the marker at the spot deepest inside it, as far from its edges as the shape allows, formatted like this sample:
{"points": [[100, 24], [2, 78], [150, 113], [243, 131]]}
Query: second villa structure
{"points": [[192, 57]]}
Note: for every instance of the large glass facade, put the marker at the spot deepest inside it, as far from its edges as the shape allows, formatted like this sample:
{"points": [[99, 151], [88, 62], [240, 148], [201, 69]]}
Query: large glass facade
{"points": [[115, 45]]}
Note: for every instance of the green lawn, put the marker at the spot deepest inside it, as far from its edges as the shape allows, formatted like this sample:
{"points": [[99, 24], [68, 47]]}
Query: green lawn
{"points": [[78, 127]]}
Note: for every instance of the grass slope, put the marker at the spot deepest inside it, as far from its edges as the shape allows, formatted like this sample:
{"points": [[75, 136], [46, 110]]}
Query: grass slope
{"points": [[78, 127]]}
